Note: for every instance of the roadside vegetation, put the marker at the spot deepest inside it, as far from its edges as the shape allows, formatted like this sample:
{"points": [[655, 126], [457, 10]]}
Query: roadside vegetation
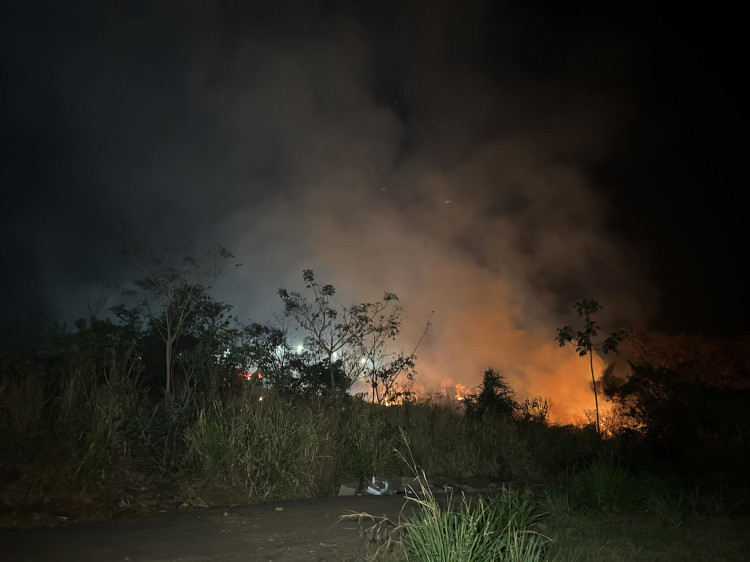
{"points": [[168, 400]]}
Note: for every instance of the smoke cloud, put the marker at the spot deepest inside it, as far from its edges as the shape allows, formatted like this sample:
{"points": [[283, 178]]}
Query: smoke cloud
{"points": [[386, 151]]}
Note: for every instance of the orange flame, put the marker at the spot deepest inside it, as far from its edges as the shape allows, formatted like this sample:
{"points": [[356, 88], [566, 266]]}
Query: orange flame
{"points": [[462, 391]]}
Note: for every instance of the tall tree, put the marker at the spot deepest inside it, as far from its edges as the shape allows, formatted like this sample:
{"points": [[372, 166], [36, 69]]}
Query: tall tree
{"points": [[495, 397], [382, 367], [583, 339], [333, 332], [172, 294]]}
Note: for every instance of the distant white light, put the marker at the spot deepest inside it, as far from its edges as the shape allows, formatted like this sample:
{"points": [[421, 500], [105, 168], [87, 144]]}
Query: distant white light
{"points": [[300, 348]]}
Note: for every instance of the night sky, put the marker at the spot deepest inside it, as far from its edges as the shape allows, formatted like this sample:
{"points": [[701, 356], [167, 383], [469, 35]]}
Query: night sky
{"points": [[587, 151]]}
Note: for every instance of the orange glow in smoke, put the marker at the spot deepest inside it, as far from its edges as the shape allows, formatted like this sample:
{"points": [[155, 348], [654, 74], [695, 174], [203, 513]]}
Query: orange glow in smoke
{"points": [[544, 370]]}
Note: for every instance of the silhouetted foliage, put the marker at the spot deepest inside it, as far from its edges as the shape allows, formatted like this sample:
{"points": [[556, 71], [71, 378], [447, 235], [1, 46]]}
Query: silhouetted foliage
{"points": [[313, 379], [534, 410], [495, 397], [265, 351], [585, 345], [173, 299], [687, 420], [349, 340]]}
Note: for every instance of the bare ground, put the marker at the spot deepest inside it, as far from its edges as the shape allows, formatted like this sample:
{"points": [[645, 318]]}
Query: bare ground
{"points": [[292, 531]]}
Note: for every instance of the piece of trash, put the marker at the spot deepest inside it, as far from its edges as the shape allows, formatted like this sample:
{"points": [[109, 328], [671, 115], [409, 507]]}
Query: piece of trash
{"points": [[380, 487], [279, 508], [226, 513], [348, 489]]}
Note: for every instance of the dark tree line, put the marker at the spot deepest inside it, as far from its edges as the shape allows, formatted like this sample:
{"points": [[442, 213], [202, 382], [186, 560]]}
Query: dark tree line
{"points": [[188, 341], [695, 425]]}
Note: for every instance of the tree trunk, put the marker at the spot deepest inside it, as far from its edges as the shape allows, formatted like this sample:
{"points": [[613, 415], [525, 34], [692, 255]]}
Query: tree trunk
{"points": [[596, 398], [169, 342], [168, 385], [333, 379]]}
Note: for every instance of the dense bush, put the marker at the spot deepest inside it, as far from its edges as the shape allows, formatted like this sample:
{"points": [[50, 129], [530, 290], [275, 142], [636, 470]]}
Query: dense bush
{"points": [[702, 430]]}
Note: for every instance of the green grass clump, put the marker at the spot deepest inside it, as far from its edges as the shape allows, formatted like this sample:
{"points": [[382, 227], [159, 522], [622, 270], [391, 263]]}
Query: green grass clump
{"points": [[505, 527], [484, 530]]}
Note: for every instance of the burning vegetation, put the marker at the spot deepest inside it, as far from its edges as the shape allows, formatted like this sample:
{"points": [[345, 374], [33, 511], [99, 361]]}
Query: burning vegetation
{"points": [[261, 417]]}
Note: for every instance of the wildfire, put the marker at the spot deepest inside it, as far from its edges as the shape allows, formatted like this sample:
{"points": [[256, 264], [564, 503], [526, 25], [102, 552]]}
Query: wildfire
{"points": [[248, 375], [462, 391]]}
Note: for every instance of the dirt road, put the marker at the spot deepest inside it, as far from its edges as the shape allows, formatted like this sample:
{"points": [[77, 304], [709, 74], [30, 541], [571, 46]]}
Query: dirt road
{"points": [[292, 531]]}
